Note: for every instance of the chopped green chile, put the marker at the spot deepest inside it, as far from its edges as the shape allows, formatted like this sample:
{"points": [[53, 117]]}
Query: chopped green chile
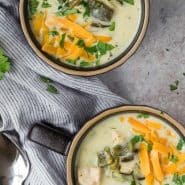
{"points": [[122, 150], [104, 157]]}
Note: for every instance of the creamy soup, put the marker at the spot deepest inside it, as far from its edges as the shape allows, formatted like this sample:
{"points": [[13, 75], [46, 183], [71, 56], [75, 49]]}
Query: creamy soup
{"points": [[84, 33], [131, 149]]}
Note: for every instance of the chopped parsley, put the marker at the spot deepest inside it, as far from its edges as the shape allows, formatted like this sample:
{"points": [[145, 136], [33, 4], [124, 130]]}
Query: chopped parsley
{"points": [[85, 64], [64, 9], [4, 64], [174, 86], [50, 88], [62, 39], [129, 1], [46, 79], [100, 49], [140, 138], [137, 139], [178, 180], [33, 5], [143, 115], [45, 4], [112, 26], [87, 9], [81, 43], [133, 183], [180, 144], [53, 33]]}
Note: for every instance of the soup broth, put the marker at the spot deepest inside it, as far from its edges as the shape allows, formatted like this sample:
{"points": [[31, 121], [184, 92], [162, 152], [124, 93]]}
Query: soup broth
{"points": [[85, 33], [131, 149]]}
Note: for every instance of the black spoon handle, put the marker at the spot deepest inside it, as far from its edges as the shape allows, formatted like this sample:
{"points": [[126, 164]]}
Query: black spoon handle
{"points": [[50, 137]]}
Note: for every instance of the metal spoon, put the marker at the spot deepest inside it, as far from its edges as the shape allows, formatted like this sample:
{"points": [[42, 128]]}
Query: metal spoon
{"points": [[14, 164]]}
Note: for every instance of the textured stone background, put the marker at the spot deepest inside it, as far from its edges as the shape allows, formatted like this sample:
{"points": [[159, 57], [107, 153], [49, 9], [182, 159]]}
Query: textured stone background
{"points": [[146, 77]]}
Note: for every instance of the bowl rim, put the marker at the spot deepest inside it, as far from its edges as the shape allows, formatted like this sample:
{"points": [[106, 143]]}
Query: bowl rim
{"points": [[110, 112], [87, 72]]}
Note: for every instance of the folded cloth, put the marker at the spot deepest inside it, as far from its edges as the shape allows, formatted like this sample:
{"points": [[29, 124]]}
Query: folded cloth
{"points": [[24, 99]]}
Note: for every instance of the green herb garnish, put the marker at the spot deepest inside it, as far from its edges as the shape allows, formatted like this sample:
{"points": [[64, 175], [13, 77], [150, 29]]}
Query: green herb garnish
{"points": [[129, 1], [33, 5], [45, 4], [174, 86], [143, 115], [4, 64], [62, 39], [53, 33], [112, 26], [180, 144], [50, 88], [178, 180], [67, 12], [133, 183], [87, 9], [81, 43], [137, 139], [46, 79], [85, 64]]}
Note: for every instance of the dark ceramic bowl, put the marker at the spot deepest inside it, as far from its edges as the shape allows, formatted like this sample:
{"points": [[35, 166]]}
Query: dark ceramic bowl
{"points": [[61, 141], [90, 71]]}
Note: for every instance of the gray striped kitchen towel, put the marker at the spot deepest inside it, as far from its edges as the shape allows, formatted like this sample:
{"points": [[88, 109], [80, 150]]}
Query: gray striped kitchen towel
{"points": [[24, 99]]}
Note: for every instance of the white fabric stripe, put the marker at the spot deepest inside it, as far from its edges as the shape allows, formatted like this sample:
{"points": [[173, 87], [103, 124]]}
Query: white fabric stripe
{"points": [[24, 100]]}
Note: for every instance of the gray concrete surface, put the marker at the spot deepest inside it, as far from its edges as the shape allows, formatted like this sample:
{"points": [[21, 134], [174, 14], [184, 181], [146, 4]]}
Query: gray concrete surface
{"points": [[146, 77]]}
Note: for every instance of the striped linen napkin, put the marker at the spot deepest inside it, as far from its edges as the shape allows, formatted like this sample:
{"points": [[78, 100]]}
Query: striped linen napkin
{"points": [[24, 99]]}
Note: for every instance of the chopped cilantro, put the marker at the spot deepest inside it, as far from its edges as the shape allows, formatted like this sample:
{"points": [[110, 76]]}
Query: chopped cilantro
{"points": [[45, 4], [112, 26], [85, 64], [180, 144], [46, 79], [87, 9], [53, 33], [52, 89], [62, 39], [137, 139], [81, 43], [129, 1], [174, 86], [4, 64], [178, 180], [64, 9], [33, 5], [133, 183], [143, 115], [149, 146]]}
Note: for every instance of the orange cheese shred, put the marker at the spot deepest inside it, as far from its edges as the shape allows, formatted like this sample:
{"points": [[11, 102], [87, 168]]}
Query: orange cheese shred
{"points": [[72, 17], [144, 160], [103, 38], [150, 179], [153, 125], [161, 148], [138, 126], [158, 173], [76, 29]]}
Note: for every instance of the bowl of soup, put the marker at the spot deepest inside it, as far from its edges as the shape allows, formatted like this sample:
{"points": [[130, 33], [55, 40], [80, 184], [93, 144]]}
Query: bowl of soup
{"points": [[128, 145], [84, 37]]}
